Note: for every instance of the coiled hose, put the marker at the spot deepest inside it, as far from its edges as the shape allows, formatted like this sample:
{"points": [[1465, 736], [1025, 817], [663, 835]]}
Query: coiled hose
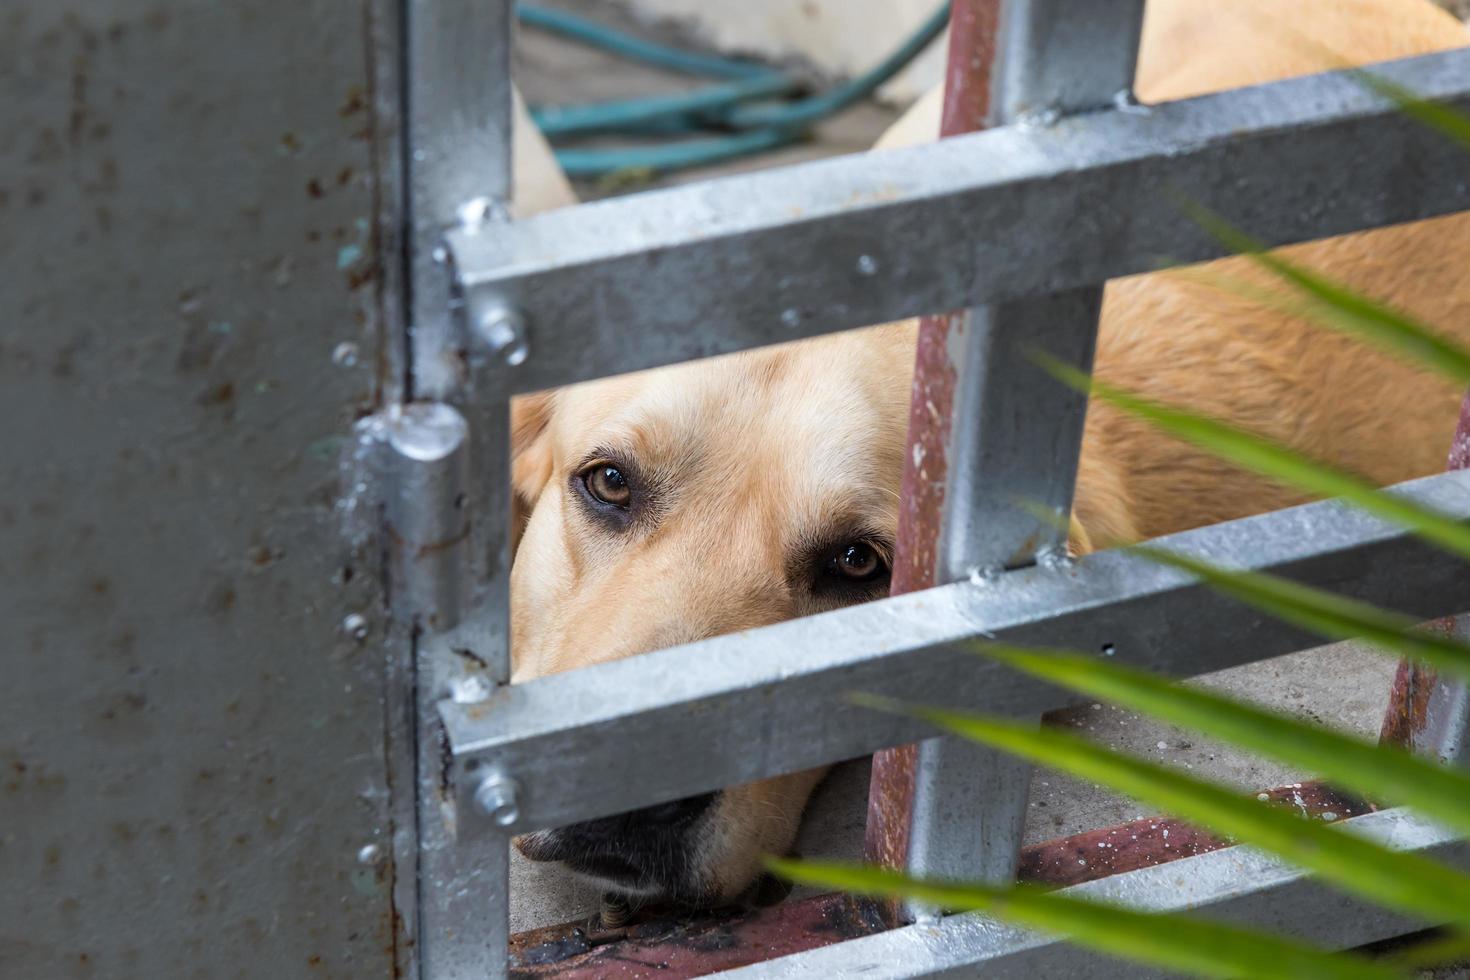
{"points": [[753, 108]]}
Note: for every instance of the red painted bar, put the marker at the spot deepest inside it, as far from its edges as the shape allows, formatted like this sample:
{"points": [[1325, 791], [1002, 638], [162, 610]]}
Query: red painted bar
{"points": [[691, 945]]}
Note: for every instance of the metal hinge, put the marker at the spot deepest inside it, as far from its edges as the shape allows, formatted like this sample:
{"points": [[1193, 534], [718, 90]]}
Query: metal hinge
{"points": [[407, 480]]}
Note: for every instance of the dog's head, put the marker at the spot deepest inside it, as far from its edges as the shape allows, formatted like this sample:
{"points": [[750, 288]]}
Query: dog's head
{"points": [[679, 504]]}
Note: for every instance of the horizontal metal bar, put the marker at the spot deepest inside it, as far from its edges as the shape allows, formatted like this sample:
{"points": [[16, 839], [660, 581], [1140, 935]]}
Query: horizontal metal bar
{"points": [[704, 269], [1237, 885], [749, 705]]}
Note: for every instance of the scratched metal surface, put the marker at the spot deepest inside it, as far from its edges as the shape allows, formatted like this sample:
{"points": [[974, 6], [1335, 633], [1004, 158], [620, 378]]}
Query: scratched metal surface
{"points": [[192, 752]]}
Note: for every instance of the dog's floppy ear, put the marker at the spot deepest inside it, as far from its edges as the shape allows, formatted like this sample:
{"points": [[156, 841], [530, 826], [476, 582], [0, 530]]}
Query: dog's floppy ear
{"points": [[530, 455]]}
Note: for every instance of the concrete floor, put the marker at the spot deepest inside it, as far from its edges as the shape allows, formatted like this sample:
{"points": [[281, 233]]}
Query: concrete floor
{"points": [[1345, 686]]}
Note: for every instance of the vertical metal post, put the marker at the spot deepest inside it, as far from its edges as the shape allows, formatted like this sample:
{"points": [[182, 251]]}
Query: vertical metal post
{"points": [[1428, 712], [458, 154], [1003, 435]]}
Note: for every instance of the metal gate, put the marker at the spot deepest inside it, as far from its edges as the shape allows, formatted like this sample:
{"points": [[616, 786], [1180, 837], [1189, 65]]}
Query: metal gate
{"points": [[1020, 225]]}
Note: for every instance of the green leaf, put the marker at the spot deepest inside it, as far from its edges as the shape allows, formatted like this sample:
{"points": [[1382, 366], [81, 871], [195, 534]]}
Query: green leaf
{"points": [[1345, 309], [1172, 942], [1333, 616], [1399, 880], [1381, 771], [1271, 459]]}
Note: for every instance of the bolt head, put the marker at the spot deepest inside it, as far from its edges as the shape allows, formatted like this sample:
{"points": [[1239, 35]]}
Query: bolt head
{"points": [[497, 797], [469, 689], [345, 354], [503, 329], [356, 626], [476, 211]]}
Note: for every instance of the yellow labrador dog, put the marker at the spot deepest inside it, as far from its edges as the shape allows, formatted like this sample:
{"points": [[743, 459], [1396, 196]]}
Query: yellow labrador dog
{"points": [[674, 505]]}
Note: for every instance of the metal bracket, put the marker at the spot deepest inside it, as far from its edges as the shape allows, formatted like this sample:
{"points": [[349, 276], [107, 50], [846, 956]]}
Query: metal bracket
{"points": [[408, 466]]}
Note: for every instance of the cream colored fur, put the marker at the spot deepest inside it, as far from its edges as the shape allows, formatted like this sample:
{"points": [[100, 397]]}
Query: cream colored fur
{"points": [[757, 456], [538, 184]]}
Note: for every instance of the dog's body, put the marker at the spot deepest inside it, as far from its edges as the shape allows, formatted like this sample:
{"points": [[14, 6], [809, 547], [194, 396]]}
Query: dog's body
{"points": [[674, 505]]}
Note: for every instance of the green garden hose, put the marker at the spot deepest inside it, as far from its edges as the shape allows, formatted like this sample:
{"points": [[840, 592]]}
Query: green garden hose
{"points": [[743, 112]]}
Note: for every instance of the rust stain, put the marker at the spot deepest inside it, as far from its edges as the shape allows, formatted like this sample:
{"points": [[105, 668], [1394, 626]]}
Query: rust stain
{"points": [[691, 944]]}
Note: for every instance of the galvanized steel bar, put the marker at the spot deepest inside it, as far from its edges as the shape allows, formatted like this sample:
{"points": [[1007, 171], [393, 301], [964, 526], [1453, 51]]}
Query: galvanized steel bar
{"points": [[457, 149], [1060, 57], [1012, 438], [458, 155], [1237, 885], [911, 820], [851, 241], [749, 705]]}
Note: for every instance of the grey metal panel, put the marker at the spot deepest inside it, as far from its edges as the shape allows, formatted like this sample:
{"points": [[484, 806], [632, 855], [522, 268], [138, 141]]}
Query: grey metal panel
{"points": [[863, 239], [753, 704], [193, 749], [1236, 884]]}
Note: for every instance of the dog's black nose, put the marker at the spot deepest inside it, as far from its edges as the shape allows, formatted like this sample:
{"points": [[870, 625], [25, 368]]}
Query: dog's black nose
{"points": [[645, 851], [672, 814]]}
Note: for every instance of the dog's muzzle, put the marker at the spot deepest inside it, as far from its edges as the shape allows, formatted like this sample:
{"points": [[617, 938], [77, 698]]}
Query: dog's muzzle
{"points": [[649, 852]]}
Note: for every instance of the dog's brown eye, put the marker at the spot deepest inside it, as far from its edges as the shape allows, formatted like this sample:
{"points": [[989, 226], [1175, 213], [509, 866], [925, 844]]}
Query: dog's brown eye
{"points": [[858, 562], [608, 485]]}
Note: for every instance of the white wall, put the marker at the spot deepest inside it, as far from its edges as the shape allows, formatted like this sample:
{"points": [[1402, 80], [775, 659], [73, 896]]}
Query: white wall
{"points": [[841, 36]]}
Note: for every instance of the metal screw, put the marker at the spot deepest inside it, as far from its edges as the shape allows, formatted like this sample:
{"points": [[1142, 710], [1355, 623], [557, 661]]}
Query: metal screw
{"points": [[475, 211], [496, 796], [503, 329], [1055, 559], [356, 626], [469, 689], [345, 354], [615, 911], [984, 575]]}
